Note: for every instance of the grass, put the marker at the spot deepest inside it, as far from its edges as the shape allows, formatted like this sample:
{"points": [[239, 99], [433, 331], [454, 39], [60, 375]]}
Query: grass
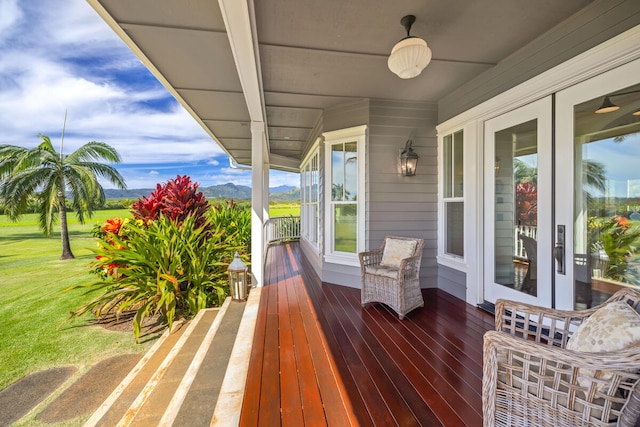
{"points": [[35, 334], [284, 209]]}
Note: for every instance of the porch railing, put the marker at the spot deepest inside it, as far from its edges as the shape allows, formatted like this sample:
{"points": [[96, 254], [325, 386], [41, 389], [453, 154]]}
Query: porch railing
{"points": [[527, 230], [281, 228]]}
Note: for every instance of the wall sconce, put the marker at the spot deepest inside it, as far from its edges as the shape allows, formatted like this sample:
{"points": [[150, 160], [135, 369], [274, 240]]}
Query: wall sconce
{"points": [[237, 271], [408, 160]]}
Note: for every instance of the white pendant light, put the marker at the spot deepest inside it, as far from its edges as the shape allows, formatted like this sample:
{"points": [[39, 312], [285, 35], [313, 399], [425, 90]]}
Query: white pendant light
{"points": [[410, 55]]}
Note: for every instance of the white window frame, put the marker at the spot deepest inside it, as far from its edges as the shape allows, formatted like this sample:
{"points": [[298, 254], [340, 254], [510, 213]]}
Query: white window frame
{"points": [[357, 134], [451, 260], [451, 198], [309, 165]]}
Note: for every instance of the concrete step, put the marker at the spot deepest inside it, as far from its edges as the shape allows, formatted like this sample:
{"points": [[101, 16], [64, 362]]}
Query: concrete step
{"points": [[178, 381]]}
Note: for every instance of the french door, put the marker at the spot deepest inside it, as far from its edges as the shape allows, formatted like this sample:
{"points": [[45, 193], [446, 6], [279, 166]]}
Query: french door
{"points": [[517, 210], [597, 192], [562, 212]]}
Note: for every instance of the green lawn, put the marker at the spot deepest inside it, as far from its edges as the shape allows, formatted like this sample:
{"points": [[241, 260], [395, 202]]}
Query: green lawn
{"points": [[284, 209], [35, 334]]}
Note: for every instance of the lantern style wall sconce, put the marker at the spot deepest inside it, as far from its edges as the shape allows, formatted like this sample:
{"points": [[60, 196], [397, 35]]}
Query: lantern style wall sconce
{"points": [[237, 271], [408, 160]]}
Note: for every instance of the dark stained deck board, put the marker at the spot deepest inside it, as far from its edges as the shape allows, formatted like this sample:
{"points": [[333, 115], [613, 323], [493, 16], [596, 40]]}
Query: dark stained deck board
{"points": [[424, 370], [434, 375], [291, 379], [338, 411]]}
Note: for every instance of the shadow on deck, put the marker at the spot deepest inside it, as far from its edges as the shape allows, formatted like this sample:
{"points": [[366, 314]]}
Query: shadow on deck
{"points": [[319, 358]]}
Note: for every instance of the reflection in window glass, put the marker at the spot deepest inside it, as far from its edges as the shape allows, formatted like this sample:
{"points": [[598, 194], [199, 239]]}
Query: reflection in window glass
{"points": [[607, 200], [516, 207], [453, 192], [346, 227], [455, 228]]}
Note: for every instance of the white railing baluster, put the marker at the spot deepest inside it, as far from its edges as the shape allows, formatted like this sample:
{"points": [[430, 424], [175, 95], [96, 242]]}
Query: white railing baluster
{"points": [[282, 228]]}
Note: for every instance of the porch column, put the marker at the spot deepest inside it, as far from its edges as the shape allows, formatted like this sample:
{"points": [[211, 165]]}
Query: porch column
{"points": [[258, 200], [266, 166]]}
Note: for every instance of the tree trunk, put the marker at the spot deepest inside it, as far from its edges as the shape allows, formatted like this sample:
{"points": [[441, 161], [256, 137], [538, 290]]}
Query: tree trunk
{"points": [[64, 230]]}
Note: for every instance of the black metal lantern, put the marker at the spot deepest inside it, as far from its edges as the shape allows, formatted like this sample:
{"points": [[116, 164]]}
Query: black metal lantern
{"points": [[238, 279], [408, 160]]}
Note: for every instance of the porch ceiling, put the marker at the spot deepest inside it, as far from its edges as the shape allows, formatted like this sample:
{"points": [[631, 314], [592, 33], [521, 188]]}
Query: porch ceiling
{"points": [[318, 54]]}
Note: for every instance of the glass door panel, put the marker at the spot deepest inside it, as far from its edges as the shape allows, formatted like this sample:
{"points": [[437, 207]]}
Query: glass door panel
{"points": [[606, 239], [598, 186], [518, 186]]}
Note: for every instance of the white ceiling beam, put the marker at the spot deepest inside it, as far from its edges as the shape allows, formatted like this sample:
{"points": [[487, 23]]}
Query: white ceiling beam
{"points": [[239, 20]]}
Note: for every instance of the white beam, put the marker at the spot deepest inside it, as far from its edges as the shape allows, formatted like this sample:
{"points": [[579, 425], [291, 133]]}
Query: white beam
{"points": [[257, 202], [238, 20]]}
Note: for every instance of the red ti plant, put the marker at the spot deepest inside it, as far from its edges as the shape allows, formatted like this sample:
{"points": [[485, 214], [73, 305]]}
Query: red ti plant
{"points": [[527, 204], [176, 199]]}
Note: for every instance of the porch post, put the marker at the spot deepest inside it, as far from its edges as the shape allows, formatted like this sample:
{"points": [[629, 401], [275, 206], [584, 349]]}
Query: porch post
{"points": [[265, 188], [257, 201]]}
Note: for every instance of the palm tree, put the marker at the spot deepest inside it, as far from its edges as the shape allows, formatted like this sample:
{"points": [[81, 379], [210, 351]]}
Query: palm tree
{"points": [[47, 175]]}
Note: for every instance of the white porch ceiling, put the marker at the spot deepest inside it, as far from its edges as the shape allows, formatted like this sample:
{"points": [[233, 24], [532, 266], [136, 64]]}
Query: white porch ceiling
{"points": [[318, 54]]}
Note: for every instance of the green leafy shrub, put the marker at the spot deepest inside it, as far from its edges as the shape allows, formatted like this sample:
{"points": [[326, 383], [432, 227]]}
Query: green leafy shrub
{"points": [[161, 267], [620, 241], [235, 220], [176, 199]]}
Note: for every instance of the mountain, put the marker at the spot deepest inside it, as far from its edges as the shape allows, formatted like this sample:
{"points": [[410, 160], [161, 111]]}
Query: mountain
{"points": [[223, 191]]}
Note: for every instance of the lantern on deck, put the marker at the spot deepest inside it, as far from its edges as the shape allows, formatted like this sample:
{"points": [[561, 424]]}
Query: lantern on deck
{"points": [[238, 279]]}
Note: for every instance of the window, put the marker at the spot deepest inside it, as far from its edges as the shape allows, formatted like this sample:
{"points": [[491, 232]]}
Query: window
{"points": [[453, 194], [309, 197], [345, 194]]}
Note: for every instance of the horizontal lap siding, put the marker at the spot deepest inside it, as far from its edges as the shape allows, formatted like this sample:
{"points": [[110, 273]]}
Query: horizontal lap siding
{"points": [[399, 205], [452, 281], [598, 22]]}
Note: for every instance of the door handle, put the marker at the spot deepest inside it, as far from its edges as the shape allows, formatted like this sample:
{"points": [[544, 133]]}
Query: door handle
{"points": [[558, 254], [558, 250]]}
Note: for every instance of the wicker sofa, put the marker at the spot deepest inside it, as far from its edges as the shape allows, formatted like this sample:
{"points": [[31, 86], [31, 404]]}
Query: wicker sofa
{"points": [[530, 378], [391, 274]]}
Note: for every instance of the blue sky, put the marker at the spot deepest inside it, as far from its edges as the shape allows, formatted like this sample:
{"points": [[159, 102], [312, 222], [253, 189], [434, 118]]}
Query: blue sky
{"points": [[59, 55]]}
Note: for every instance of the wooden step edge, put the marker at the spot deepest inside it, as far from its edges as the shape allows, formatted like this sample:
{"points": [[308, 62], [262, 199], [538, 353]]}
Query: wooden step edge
{"points": [[229, 404], [113, 397], [174, 406]]}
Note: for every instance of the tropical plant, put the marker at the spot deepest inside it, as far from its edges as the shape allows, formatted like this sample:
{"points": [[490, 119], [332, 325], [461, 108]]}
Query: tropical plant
{"points": [[527, 204], [163, 267], [620, 240], [235, 220], [47, 175], [176, 199]]}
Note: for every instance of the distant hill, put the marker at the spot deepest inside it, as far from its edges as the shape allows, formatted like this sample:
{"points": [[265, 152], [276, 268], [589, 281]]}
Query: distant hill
{"points": [[223, 191]]}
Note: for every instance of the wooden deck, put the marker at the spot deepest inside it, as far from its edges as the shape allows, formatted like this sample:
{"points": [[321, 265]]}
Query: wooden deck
{"points": [[318, 358]]}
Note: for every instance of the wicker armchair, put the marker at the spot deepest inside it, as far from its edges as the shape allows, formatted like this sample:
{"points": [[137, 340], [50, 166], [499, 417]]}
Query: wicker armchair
{"points": [[531, 379], [396, 284]]}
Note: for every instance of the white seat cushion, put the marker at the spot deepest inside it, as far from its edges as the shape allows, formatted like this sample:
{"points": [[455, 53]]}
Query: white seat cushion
{"points": [[395, 250], [377, 270]]}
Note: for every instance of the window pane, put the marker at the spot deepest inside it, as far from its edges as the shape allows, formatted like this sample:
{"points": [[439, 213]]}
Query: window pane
{"points": [[337, 172], [516, 207], [458, 167], [448, 143], [345, 227], [455, 228], [606, 236], [351, 171]]}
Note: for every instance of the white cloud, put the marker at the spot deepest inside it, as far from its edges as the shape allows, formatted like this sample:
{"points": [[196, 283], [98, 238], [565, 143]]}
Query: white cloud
{"points": [[59, 56], [10, 15]]}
